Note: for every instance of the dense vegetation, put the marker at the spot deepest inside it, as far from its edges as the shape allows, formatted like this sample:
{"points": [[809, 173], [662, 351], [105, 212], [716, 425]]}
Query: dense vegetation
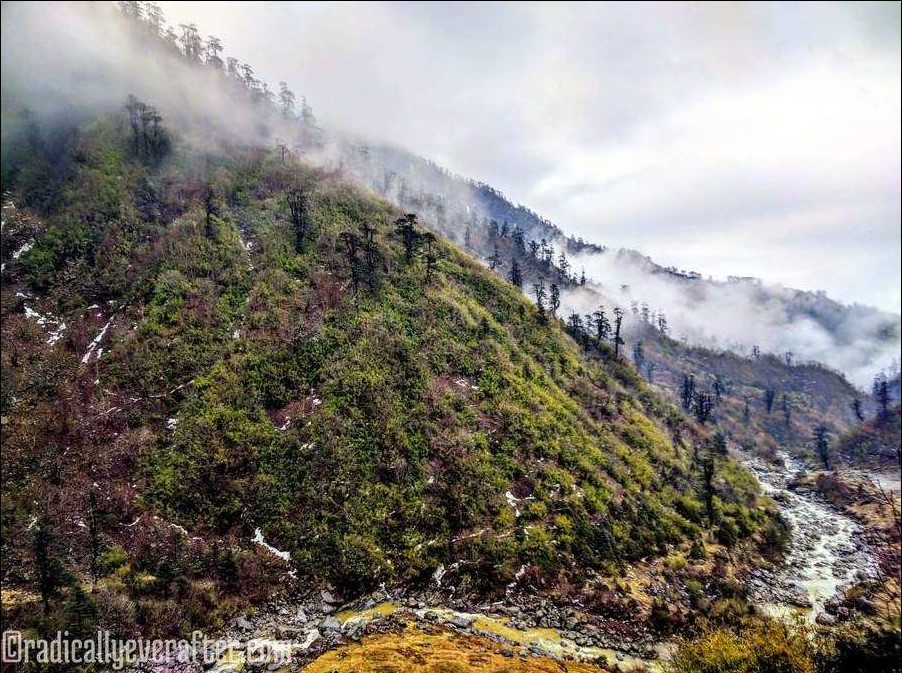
{"points": [[213, 351], [199, 345]]}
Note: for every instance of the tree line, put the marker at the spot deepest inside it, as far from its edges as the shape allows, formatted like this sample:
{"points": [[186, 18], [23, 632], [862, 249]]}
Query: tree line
{"points": [[186, 41]]}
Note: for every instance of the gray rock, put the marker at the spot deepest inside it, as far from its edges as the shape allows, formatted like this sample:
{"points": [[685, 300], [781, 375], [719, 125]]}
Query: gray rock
{"points": [[243, 623], [825, 619], [799, 600], [330, 623], [309, 638], [288, 633], [462, 622]]}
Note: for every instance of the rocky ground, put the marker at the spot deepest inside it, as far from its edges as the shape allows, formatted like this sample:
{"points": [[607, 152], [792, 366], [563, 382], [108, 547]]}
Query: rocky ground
{"points": [[829, 550], [298, 631]]}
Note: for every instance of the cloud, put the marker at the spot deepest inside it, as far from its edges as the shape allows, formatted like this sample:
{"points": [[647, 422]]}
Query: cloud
{"points": [[644, 126], [858, 341]]}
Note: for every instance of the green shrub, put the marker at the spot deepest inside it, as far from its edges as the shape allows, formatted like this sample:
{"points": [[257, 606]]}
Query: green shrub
{"points": [[765, 646]]}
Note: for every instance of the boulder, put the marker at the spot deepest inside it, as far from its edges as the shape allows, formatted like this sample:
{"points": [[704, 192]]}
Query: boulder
{"points": [[330, 623], [825, 619], [462, 622]]}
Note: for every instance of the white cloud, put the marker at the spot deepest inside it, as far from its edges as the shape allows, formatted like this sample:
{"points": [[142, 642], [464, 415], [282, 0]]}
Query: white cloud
{"points": [[660, 127], [732, 138]]}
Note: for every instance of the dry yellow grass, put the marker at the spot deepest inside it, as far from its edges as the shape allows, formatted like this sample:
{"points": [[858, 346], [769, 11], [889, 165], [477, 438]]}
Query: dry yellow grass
{"points": [[11, 597], [437, 649]]}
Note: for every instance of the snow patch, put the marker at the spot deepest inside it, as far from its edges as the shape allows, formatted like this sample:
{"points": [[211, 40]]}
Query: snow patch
{"points": [[174, 526], [56, 334], [512, 501], [96, 342], [517, 577], [28, 245], [171, 423], [48, 320], [258, 538]]}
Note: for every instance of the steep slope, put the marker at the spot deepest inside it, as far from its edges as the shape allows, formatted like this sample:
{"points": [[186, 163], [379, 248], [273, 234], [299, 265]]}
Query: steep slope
{"points": [[202, 349], [857, 340], [873, 442], [761, 401]]}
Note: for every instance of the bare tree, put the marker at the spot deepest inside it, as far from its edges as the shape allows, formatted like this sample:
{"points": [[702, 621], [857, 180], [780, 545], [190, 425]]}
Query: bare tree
{"points": [[352, 243], [212, 49], [286, 100], [769, 396], [516, 275], [495, 259], [210, 209], [430, 254], [406, 227], [539, 290]]}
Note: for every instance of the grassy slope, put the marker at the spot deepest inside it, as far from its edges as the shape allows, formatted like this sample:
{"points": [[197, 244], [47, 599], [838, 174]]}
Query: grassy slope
{"points": [[805, 395], [813, 394], [414, 408]]}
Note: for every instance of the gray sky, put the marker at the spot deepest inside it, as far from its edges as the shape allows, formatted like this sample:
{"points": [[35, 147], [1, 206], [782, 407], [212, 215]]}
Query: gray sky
{"points": [[744, 139]]}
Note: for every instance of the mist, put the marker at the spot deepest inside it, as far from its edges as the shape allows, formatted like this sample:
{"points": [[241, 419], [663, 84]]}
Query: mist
{"points": [[87, 60], [750, 139], [741, 313], [75, 59]]}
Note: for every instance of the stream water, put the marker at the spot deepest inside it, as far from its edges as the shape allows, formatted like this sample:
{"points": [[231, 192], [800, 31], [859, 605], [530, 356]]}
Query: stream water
{"points": [[826, 551]]}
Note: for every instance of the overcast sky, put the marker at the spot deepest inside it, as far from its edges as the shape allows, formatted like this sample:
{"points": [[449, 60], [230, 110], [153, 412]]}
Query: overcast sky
{"points": [[744, 139]]}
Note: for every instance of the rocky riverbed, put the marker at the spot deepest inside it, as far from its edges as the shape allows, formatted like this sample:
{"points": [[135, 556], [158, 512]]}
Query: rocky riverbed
{"points": [[827, 551], [311, 627]]}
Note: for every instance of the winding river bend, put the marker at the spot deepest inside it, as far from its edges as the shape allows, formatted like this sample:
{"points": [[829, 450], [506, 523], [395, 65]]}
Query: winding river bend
{"points": [[827, 552]]}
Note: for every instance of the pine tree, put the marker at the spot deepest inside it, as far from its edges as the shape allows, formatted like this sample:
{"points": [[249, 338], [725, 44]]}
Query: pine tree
{"points": [[406, 227], [515, 276]]}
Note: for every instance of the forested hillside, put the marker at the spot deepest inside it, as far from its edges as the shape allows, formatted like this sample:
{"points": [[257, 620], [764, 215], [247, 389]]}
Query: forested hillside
{"points": [[238, 376]]}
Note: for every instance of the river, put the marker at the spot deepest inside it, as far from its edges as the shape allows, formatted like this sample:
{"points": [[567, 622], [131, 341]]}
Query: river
{"points": [[826, 553]]}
